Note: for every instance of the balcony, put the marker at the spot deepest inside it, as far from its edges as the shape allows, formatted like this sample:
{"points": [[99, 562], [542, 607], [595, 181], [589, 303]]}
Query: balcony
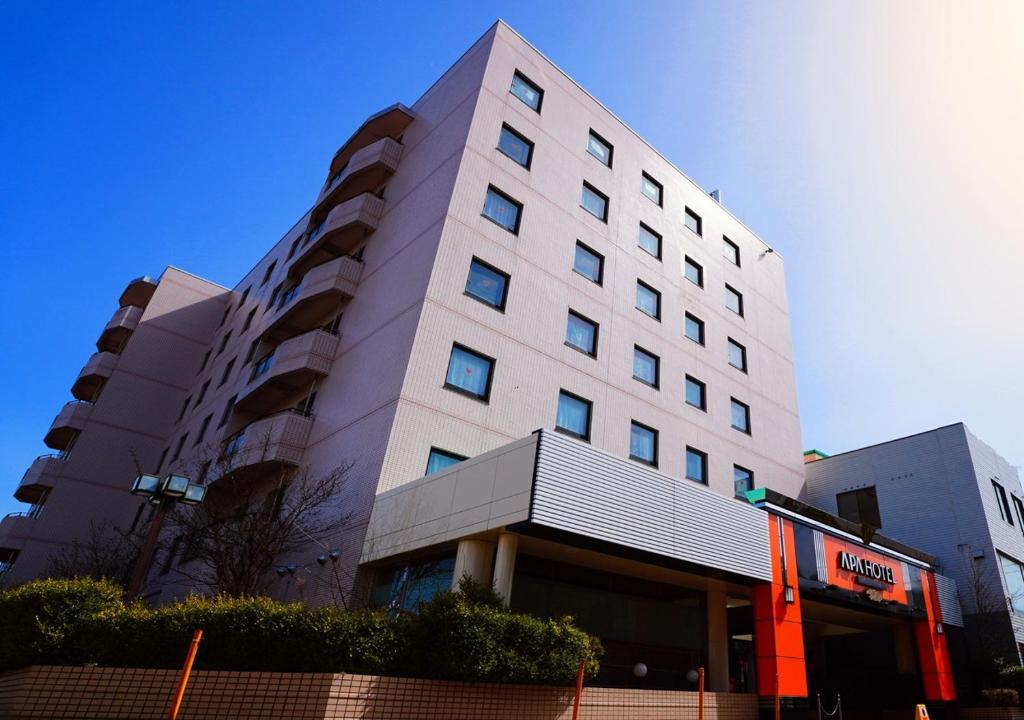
{"points": [[15, 528], [119, 329], [274, 441], [340, 233], [138, 292], [306, 305], [288, 370], [365, 171], [96, 372], [390, 122], [39, 479], [69, 422]]}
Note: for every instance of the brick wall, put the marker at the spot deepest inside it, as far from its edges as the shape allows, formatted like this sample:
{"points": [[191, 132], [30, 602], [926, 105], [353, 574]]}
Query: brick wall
{"points": [[83, 693]]}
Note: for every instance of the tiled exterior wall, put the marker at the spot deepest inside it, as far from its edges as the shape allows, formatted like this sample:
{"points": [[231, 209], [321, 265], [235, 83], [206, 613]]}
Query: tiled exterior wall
{"points": [[79, 693]]}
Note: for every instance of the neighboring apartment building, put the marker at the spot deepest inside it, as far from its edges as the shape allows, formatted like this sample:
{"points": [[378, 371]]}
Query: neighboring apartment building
{"points": [[951, 495]]}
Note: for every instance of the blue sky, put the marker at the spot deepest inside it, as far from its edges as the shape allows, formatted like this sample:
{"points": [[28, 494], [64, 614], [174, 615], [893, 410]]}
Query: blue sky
{"points": [[878, 153]]}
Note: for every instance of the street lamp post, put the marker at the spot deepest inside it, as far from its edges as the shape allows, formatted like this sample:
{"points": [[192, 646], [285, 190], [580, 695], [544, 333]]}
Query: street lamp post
{"points": [[163, 494]]}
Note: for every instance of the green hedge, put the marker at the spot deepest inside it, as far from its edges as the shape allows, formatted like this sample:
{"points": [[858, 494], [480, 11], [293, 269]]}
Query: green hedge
{"points": [[453, 637]]}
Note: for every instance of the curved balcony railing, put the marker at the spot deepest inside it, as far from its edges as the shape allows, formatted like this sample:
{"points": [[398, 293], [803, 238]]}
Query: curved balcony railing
{"points": [[365, 171], [119, 329], [138, 292], [69, 422], [287, 371], [273, 441], [340, 233], [39, 479], [390, 122], [98, 369], [320, 292]]}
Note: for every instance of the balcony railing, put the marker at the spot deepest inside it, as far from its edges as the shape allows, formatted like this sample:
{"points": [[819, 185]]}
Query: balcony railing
{"points": [[39, 479], [365, 171], [288, 370], [341, 232], [98, 368], [138, 292], [273, 441], [119, 329], [69, 422]]}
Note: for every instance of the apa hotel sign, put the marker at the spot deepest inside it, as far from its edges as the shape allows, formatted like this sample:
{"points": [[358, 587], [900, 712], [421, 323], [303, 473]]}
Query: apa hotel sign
{"points": [[866, 568]]}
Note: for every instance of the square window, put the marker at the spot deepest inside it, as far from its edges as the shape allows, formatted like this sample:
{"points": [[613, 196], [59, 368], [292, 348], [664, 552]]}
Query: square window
{"points": [[694, 328], [526, 91], [269, 273], [594, 202], [696, 393], [573, 415], [469, 372], [650, 241], [503, 210], [599, 148], [740, 416], [581, 333], [693, 271], [742, 481], [645, 366], [731, 251], [693, 222], [588, 263], [648, 300], [227, 372], [734, 300], [737, 355], [696, 465], [440, 459], [515, 146], [643, 443], [487, 284], [651, 189]]}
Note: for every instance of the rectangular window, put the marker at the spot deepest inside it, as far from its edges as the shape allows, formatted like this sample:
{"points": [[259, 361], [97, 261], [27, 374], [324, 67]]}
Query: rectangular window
{"points": [[648, 300], [1013, 577], [696, 465], [696, 393], [594, 202], [202, 429], [740, 416], [731, 251], [269, 273], [651, 189], [439, 459], [693, 271], [487, 284], [588, 263], [178, 448], [224, 317], [469, 372], [1018, 506], [1002, 502], [645, 366], [694, 328], [184, 408], [274, 295], [742, 481], [503, 210], [643, 443], [245, 296], [737, 355], [515, 146], [650, 241], [734, 300], [206, 360], [249, 319], [202, 392], [163, 458], [227, 372], [599, 148], [224, 342], [693, 222], [581, 333], [293, 247], [252, 351], [573, 415], [524, 89], [229, 407]]}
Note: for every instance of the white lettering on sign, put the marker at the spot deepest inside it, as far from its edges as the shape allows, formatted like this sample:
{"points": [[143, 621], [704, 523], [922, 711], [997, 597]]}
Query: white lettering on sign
{"points": [[867, 568]]}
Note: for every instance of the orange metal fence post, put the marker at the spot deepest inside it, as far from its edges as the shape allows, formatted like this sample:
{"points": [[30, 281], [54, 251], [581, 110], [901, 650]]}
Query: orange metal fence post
{"points": [[700, 693], [186, 670], [579, 693]]}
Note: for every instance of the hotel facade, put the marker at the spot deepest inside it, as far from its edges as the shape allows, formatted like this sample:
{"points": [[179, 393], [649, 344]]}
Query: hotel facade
{"points": [[549, 360]]}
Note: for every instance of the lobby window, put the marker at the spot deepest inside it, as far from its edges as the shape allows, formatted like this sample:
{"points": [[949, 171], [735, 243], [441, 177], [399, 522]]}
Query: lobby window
{"points": [[650, 241], [694, 328], [588, 263], [740, 416], [696, 393], [515, 146], [693, 222], [734, 300], [469, 372], [643, 443], [581, 334], [648, 300], [731, 251], [487, 284], [501, 209], [1002, 502], [742, 481], [439, 459], [696, 465], [693, 271], [594, 202], [645, 366], [651, 189], [1013, 578], [599, 148], [524, 89], [573, 415], [737, 355]]}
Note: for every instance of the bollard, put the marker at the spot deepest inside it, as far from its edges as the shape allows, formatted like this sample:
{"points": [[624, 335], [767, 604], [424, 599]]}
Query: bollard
{"points": [[700, 693], [920, 713], [186, 670], [579, 693]]}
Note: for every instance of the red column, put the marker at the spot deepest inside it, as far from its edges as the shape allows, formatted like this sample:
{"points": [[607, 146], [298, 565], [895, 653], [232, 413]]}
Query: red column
{"points": [[933, 656]]}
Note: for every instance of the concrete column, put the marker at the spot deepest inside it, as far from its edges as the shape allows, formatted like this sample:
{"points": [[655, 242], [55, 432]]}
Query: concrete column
{"points": [[505, 566], [717, 679], [473, 558]]}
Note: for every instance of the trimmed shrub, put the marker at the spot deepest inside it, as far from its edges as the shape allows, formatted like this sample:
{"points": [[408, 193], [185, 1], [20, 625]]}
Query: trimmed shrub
{"points": [[1010, 675], [1000, 697]]}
